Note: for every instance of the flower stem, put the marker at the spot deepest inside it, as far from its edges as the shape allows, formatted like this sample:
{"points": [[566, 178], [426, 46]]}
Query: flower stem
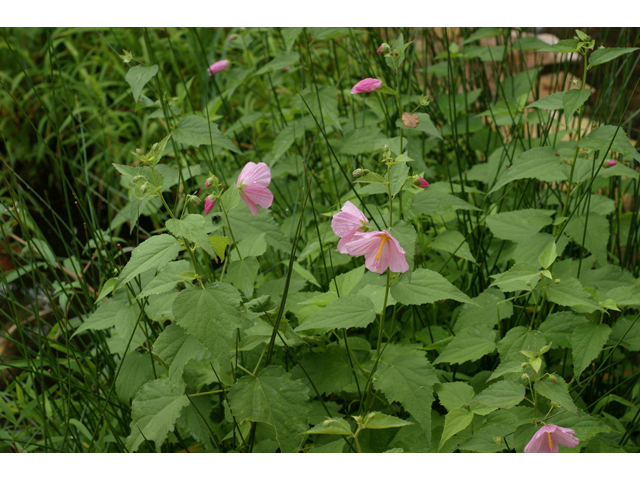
{"points": [[226, 216]]}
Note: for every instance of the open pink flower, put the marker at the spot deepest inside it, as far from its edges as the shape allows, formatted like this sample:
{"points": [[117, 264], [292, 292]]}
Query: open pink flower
{"points": [[611, 163], [367, 85], [548, 439], [348, 224], [219, 66], [380, 250], [252, 183], [209, 203]]}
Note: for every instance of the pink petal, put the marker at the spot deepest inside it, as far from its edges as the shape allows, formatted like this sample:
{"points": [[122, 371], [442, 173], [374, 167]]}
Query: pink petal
{"points": [[259, 195], [208, 205], [363, 243], [611, 163], [423, 183], [565, 437], [397, 259], [344, 245], [367, 85], [218, 67], [252, 206], [349, 219], [539, 443], [258, 174]]}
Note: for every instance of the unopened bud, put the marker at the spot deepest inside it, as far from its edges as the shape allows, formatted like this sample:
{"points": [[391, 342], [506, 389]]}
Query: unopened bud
{"points": [[524, 365], [528, 283], [524, 376], [419, 181], [137, 178], [553, 378], [425, 100], [211, 181], [497, 440], [555, 405], [194, 200], [556, 281], [358, 172], [611, 163], [143, 189], [384, 48]]}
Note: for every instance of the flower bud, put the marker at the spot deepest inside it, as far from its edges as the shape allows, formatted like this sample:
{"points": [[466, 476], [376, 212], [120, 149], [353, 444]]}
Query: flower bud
{"points": [[497, 440], [209, 203], [358, 172], [425, 100], [211, 181], [524, 365], [384, 48], [556, 281], [137, 178], [553, 378], [555, 405], [419, 182], [611, 163], [143, 189], [524, 376], [194, 200]]}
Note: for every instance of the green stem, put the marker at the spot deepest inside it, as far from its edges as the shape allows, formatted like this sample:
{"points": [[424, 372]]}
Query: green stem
{"points": [[226, 216], [382, 314]]}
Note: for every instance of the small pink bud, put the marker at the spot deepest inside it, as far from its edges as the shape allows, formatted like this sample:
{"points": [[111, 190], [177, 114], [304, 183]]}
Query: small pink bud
{"points": [[219, 66], [420, 182], [384, 48], [367, 85], [286, 69], [611, 163], [209, 203], [232, 38]]}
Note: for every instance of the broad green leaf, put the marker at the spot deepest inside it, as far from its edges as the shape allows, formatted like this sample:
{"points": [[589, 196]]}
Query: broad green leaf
{"points": [[272, 397], [166, 279], [195, 131], [454, 422], [382, 421], [398, 177], [424, 125], [586, 427], [154, 412], [243, 273], [285, 59], [332, 426], [211, 315], [518, 225], [558, 327], [289, 35], [502, 394], [628, 333], [550, 102], [540, 163], [489, 309], [469, 345], [596, 236], [517, 277], [155, 252], [137, 77], [587, 341], [195, 419], [107, 314], [488, 439], [515, 86], [346, 282], [348, 311], [409, 379], [285, 139], [426, 286], [572, 100], [252, 246], [431, 202], [330, 371], [569, 293], [520, 338], [219, 244], [136, 370], [175, 348], [565, 46], [452, 241], [244, 225], [556, 392], [328, 98], [332, 447], [193, 227], [484, 32], [600, 138], [604, 55], [454, 395], [548, 256], [511, 364]]}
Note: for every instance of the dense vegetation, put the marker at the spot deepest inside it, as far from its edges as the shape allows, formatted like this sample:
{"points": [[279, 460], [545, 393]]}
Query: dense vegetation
{"points": [[319, 240]]}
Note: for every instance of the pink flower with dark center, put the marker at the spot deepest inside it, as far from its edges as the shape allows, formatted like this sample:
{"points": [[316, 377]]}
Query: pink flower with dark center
{"points": [[380, 250], [252, 184], [219, 66], [367, 85], [209, 203], [611, 163], [549, 438], [348, 224]]}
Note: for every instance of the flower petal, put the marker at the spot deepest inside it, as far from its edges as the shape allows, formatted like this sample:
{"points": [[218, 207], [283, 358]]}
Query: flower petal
{"points": [[565, 437], [258, 174], [349, 219], [252, 206], [259, 195]]}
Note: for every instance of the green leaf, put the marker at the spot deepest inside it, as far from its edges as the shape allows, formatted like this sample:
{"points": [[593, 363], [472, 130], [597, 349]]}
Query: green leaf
{"points": [[382, 421], [285, 59], [548, 255], [600, 138], [516, 278], [328, 98], [176, 348], [329, 371], [596, 236], [540, 163], [332, 426], [409, 379], [518, 225], [166, 279], [211, 315], [155, 252], [520, 338], [454, 395], [628, 333], [348, 311], [484, 32], [154, 412], [107, 314], [220, 245], [558, 327], [469, 345], [138, 77], [194, 228], [604, 55], [512, 364], [272, 397], [550, 102], [243, 274], [587, 341], [488, 310], [195, 131], [405, 234], [431, 202], [388, 90], [245, 225], [488, 439], [285, 139], [289, 35], [564, 46], [572, 100], [136, 370], [347, 281], [556, 392], [570, 293], [454, 422], [502, 394], [426, 286], [424, 125], [398, 177], [452, 241]]}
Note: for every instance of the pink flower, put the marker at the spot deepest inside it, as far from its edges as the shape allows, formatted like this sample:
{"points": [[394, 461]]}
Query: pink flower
{"points": [[367, 85], [252, 183], [611, 163], [209, 203], [420, 182], [548, 439], [348, 224], [380, 250], [219, 66]]}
